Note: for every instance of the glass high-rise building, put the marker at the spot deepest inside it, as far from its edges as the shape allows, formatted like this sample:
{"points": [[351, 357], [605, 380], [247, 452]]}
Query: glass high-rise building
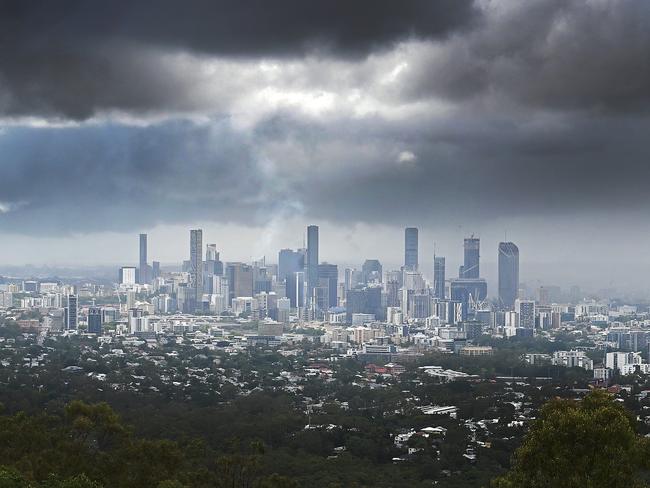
{"points": [[471, 269], [439, 277], [411, 248], [95, 320], [508, 273], [72, 312], [211, 267], [211, 253], [290, 261], [143, 277], [311, 263], [371, 271], [155, 269], [295, 289], [329, 274], [240, 279], [196, 264], [365, 300]]}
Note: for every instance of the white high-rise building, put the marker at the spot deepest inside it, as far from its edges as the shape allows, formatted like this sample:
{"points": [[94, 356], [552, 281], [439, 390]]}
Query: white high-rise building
{"points": [[526, 311], [626, 362], [127, 275]]}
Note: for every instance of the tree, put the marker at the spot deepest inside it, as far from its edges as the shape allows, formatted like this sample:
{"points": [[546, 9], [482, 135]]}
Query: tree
{"points": [[12, 479], [587, 444]]}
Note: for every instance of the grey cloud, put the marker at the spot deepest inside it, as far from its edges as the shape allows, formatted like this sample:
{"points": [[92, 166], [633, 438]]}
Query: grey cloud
{"points": [[470, 167], [113, 177], [467, 168], [545, 115], [552, 54], [72, 59]]}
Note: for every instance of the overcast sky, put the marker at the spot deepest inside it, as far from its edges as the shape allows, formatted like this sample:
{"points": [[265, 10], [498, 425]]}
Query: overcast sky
{"points": [[253, 119]]}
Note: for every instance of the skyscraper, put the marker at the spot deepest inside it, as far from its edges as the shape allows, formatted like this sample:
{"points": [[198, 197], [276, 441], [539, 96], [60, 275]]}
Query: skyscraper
{"points": [[508, 273], [94, 320], [290, 261], [411, 248], [329, 274], [365, 300], [470, 267], [211, 267], [240, 279], [469, 289], [71, 312], [526, 311], [143, 277], [155, 270], [127, 275], [439, 277], [348, 279], [211, 253], [311, 263], [295, 289], [371, 271], [196, 265]]}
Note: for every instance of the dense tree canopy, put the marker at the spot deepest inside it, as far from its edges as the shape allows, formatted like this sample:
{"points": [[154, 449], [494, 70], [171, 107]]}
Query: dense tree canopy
{"points": [[583, 444]]}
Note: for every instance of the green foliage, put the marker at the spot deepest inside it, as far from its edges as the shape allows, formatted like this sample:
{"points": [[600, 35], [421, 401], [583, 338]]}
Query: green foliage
{"points": [[587, 444], [10, 478]]}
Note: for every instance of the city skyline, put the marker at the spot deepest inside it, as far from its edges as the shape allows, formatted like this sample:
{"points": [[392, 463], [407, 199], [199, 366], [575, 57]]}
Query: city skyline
{"points": [[171, 250]]}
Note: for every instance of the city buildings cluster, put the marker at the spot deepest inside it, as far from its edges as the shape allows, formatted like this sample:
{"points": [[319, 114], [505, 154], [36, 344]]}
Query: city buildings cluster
{"points": [[360, 311]]}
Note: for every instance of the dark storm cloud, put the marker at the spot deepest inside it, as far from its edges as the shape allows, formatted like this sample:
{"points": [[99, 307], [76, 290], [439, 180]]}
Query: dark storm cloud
{"points": [[553, 54], [74, 58], [465, 169], [472, 169], [515, 109]]}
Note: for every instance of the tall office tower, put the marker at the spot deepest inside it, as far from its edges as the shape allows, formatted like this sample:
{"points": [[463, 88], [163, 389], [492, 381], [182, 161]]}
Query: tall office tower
{"points": [[371, 271], [127, 275], [508, 274], [391, 288], [196, 264], [412, 280], [211, 253], [155, 269], [94, 320], [365, 300], [439, 277], [311, 263], [71, 312], [348, 282], [395, 275], [143, 277], [240, 280], [262, 280], [290, 261], [470, 268], [526, 311], [211, 267], [295, 289], [329, 273], [411, 248]]}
